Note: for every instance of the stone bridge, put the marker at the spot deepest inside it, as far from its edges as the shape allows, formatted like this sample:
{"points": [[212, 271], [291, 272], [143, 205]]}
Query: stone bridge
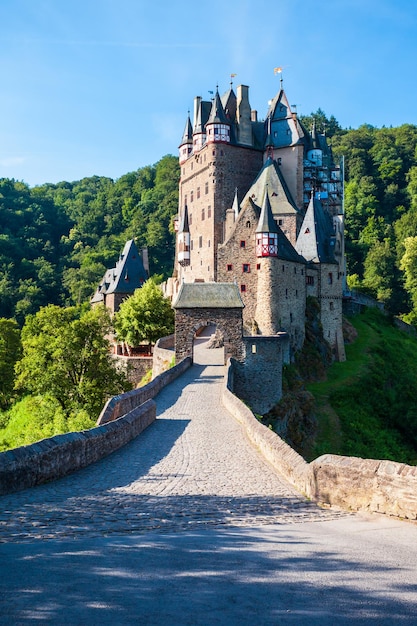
{"points": [[190, 524]]}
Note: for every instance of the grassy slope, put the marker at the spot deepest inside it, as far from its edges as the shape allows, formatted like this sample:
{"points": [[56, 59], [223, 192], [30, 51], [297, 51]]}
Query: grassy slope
{"points": [[367, 406]]}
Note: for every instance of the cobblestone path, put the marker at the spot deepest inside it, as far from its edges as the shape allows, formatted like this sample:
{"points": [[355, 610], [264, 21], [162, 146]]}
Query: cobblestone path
{"points": [[192, 468]]}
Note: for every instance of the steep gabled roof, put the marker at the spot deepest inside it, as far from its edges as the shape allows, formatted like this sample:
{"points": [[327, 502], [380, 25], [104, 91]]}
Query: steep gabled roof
{"points": [[229, 103], [316, 239], [270, 177], [128, 275], [284, 127]]}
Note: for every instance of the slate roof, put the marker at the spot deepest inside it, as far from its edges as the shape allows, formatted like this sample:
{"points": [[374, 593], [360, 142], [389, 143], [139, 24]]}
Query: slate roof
{"points": [[270, 176], [208, 296], [128, 275], [316, 239], [266, 223]]}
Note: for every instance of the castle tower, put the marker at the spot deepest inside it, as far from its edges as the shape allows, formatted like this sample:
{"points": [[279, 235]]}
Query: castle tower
{"points": [[267, 315], [186, 145], [217, 164]]}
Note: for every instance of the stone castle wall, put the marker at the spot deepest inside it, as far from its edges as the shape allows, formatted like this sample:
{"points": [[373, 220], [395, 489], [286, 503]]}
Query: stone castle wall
{"points": [[189, 321], [208, 182], [258, 376], [331, 308]]}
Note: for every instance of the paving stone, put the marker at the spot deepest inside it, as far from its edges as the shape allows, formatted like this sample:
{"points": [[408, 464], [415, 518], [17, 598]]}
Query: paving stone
{"points": [[193, 467]]}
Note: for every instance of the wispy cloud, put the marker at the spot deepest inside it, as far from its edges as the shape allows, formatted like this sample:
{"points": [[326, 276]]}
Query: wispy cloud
{"points": [[11, 161], [98, 43]]}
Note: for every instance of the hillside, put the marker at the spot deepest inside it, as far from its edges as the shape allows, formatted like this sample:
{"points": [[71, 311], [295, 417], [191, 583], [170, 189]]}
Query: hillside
{"points": [[366, 406]]}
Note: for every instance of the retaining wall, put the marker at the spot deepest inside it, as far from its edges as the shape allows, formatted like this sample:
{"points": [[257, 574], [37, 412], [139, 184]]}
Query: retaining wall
{"points": [[58, 456], [348, 482]]}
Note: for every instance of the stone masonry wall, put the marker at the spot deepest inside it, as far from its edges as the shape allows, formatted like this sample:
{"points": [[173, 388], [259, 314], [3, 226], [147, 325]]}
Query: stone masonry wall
{"points": [[258, 377], [135, 367], [188, 321], [163, 355]]}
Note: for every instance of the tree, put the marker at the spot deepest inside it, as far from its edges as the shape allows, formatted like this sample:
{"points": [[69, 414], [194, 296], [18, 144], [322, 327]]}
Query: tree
{"points": [[145, 316], [66, 355], [408, 264], [10, 349]]}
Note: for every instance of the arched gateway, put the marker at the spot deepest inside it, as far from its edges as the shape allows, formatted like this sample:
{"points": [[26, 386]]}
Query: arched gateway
{"points": [[202, 304]]}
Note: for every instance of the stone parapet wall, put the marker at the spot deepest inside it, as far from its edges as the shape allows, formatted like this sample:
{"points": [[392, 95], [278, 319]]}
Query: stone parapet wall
{"points": [[365, 484], [348, 482], [125, 402], [58, 456], [286, 460], [163, 354]]}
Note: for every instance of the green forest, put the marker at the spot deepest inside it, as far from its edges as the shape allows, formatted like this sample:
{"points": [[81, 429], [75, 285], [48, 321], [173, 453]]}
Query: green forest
{"points": [[57, 240]]}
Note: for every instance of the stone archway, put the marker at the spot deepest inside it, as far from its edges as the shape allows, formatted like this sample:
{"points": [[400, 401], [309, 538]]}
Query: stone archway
{"points": [[201, 304]]}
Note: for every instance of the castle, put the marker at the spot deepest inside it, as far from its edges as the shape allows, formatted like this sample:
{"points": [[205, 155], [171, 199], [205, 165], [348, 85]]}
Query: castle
{"points": [[261, 206]]}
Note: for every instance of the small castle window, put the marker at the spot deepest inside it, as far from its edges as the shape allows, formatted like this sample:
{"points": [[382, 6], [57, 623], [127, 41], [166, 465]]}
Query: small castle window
{"points": [[295, 270], [203, 214], [310, 280], [243, 244], [286, 293], [190, 219], [283, 268], [229, 267], [206, 185], [279, 160], [192, 196], [274, 194], [198, 192], [258, 266], [246, 268], [248, 224], [291, 318], [209, 211], [208, 243], [200, 241], [192, 245], [242, 288], [192, 166], [280, 222], [330, 279], [307, 231], [332, 306]]}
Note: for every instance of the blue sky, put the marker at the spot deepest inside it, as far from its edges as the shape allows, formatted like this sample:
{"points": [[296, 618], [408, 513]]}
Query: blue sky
{"points": [[103, 86]]}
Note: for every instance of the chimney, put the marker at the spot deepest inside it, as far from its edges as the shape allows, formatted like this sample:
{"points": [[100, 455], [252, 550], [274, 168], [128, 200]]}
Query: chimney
{"points": [[145, 260], [243, 115]]}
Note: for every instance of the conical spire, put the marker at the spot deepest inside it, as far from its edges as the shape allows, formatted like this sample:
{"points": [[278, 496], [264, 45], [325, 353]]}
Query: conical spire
{"points": [[266, 223], [235, 206], [187, 136], [217, 114]]}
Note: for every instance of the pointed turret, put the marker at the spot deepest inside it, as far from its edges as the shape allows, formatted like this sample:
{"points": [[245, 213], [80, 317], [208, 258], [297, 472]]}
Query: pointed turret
{"points": [[266, 232], [184, 239], [235, 206], [186, 145], [218, 126]]}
